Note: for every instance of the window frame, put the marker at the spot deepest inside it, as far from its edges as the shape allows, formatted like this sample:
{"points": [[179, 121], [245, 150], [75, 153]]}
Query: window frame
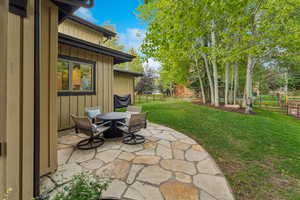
{"points": [[79, 93]]}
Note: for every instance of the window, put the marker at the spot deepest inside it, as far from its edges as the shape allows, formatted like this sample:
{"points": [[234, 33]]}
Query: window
{"points": [[75, 76], [18, 7]]}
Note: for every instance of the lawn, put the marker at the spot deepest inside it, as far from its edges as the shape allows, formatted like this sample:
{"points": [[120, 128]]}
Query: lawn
{"points": [[259, 154]]}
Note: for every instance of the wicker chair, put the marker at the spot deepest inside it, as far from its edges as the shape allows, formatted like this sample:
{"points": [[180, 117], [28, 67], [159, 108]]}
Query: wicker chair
{"points": [[134, 109], [85, 125], [135, 124]]}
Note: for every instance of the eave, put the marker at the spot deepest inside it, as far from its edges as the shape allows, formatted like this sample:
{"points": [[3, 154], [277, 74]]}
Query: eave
{"points": [[135, 74], [119, 56]]}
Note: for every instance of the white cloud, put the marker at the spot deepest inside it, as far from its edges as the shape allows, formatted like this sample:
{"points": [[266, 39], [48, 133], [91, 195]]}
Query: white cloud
{"points": [[132, 38], [86, 14], [152, 64]]}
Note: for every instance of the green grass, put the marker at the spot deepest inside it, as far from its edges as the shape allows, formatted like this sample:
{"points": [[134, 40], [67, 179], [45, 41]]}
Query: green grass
{"points": [[259, 154]]}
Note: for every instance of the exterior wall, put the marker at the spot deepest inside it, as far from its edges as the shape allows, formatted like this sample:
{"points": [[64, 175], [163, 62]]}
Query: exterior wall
{"points": [[123, 84], [67, 105], [17, 102], [81, 32], [49, 45]]}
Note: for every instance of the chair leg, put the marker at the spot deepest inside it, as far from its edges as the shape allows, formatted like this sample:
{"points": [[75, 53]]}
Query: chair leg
{"points": [[133, 139], [90, 143]]}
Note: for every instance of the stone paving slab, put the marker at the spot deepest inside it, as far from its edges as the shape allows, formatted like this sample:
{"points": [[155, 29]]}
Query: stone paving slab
{"points": [[168, 166]]}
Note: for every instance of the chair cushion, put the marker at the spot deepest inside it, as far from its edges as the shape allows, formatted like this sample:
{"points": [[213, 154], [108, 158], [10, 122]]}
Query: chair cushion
{"points": [[93, 113]]}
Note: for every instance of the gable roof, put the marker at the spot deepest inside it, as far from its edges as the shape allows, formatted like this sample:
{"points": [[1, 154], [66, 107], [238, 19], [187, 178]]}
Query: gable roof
{"points": [[106, 32], [119, 56]]}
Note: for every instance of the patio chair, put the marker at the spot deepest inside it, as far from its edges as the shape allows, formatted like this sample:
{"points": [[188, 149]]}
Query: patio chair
{"points": [[134, 109], [92, 112], [94, 131], [136, 123]]}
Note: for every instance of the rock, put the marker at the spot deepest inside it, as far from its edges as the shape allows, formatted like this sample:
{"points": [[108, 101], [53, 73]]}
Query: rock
{"points": [[82, 155], [66, 172], [184, 178], [117, 169], [205, 196], [214, 185], [148, 160], [115, 189], [178, 154], [150, 145], [208, 166], [63, 146], [188, 140], [179, 166], [146, 152], [63, 155], [179, 191], [92, 164], [154, 175], [126, 156], [109, 145], [108, 156], [164, 152], [140, 191], [165, 136], [193, 155], [180, 145], [69, 139], [135, 169], [132, 148], [153, 138], [197, 147], [165, 143]]}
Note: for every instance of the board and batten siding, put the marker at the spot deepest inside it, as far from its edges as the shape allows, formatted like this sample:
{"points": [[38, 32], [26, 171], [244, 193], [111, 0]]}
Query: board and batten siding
{"points": [[124, 84], [48, 115], [17, 102], [67, 105], [79, 31]]}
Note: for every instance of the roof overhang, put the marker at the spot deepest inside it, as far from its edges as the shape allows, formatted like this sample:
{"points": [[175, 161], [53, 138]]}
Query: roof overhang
{"points": [[67, 7], [123, 71], [107, 33], [119, 56]]}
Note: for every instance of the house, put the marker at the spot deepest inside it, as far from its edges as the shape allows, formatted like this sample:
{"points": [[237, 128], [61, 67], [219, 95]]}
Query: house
{"points": [[37, 56]]}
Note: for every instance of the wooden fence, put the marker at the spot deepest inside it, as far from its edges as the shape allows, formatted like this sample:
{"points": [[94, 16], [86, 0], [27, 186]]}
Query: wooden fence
{"points": [[148, 98], [289, 105]]}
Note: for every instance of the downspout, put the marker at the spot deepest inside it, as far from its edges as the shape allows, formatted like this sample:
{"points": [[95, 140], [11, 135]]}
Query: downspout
{"points": [[36, 181]]}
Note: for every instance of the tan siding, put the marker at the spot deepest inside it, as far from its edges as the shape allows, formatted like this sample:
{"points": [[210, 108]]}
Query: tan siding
{"points": [[74, 29], [48, 87], [123, 84], [16, 97], [103, 98]]}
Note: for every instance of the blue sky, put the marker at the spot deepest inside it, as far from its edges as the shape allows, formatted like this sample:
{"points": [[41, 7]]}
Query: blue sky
{"points": [[122, 14]]}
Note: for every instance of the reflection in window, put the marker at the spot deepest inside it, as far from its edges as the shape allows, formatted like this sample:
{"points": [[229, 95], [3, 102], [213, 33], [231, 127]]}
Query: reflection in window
{"points": [[73, 76]]}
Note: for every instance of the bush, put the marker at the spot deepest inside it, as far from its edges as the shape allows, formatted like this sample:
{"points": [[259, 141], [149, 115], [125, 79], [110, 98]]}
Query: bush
{"points": [[82, 187]]}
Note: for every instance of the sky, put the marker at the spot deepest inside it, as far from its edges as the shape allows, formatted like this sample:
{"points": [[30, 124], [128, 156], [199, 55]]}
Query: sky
{"points": [[122, 13]]}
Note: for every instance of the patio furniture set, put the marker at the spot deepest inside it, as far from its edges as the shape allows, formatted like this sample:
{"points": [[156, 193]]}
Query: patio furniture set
{"points": [[100, 126]]}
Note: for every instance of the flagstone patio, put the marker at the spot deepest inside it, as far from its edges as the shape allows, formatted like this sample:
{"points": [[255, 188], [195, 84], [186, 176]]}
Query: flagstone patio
{"points": [[169, 166]]}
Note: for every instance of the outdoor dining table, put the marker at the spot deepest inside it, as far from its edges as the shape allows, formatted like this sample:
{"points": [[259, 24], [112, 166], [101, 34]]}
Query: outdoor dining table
{"points": [[114, 117]]}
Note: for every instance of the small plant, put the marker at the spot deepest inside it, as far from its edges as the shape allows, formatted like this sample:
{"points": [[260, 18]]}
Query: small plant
{"points": [[6, 195], [82, 187]]}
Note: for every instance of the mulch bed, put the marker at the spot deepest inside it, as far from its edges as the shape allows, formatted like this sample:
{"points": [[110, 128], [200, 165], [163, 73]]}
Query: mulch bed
{"points": [[222, 107]]}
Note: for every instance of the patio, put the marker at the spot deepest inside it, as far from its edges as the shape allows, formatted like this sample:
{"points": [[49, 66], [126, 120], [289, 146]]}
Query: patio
{"points": [[168, 166]]}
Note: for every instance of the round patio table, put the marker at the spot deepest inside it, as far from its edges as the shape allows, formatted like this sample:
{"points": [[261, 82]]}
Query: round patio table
{"points": [[114, 117]]}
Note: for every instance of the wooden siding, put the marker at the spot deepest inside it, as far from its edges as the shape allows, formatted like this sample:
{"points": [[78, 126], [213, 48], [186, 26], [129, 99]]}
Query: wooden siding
{"points": [[49, 43], [123, 84], [67, 105], [81, 32], [17, 101]]}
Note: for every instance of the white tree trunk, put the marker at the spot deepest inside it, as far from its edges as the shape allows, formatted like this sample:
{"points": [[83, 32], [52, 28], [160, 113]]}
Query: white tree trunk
{"points": [[215, 67], [227, 71], [210, 82], [286, 87], [249, 81], [201, 83], [236, 82]]}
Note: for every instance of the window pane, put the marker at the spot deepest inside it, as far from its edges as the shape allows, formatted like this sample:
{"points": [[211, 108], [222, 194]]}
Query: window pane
{"points": [[82, 77], [62, 76]]}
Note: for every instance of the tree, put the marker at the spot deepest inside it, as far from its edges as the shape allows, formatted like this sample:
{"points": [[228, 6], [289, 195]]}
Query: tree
{"points": [[146, 83], [136, 65]]}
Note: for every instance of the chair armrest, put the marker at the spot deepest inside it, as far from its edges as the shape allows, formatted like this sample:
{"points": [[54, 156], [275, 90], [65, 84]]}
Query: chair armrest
{"points": [[121, 123]]}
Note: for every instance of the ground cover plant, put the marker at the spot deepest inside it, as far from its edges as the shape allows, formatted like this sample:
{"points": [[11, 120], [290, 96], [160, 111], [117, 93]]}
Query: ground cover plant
{"points": [[259, 154]]}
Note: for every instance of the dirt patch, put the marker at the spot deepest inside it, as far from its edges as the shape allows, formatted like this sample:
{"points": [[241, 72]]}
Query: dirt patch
{"points": [[222, 107]]}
